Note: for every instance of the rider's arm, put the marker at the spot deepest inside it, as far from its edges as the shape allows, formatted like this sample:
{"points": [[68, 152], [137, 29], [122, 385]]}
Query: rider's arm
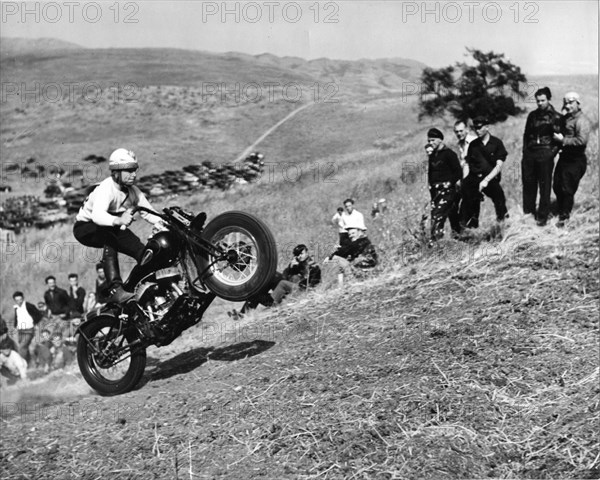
{"points": [[142, 201]]}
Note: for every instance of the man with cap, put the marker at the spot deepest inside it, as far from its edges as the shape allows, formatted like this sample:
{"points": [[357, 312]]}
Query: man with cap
{"points": [[103, 219], [359, 255], [572, 161], [485, 157], [444, 176], [539, 150]]}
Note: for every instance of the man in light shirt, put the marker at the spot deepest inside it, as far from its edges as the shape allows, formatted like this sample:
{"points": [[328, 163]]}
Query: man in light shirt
{"points": [[464, 138], [27, 316], [352, 218]]}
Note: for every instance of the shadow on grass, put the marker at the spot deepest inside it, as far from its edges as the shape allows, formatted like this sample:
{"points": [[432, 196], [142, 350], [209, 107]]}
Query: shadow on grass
{"points": [[187, 361]]}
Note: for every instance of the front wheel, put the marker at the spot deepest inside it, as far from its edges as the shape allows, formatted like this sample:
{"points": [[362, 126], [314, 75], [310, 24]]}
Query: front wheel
{"points": [[106, 359], [251, 256]]}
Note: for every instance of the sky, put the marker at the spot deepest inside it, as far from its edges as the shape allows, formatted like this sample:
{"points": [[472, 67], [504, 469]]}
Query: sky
{"points": [[543, 37]]}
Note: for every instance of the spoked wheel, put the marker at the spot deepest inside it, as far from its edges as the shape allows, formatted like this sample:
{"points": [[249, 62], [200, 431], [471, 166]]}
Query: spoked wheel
{"points": [[105, 356], [250, 260]]}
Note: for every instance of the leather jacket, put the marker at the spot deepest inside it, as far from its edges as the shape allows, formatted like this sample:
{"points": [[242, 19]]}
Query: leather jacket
{"points": [[540, 127]]}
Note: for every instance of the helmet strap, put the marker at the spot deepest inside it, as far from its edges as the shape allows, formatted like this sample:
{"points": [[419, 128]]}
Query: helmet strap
{"points": [[117, 177]]}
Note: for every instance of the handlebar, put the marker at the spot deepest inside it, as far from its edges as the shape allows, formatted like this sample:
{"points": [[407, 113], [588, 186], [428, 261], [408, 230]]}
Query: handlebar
{"points": [[137, 209]]}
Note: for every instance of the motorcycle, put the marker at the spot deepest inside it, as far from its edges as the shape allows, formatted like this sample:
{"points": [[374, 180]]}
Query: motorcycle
{"points": [[182, 270]]}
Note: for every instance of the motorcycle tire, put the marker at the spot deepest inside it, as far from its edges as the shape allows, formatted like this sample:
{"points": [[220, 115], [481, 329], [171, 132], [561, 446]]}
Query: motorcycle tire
{"points": [[103, 375], [252, 245]]}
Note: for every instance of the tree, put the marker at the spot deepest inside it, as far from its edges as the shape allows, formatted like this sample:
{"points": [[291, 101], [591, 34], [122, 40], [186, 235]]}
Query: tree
{"points": [[488, 88]]}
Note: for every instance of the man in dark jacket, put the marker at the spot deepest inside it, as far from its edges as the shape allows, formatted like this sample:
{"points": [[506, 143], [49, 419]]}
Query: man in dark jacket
{"points": [[76, 296], [358, 256], [539, 150], [27, 316], [302, 270], [444, 176], [485, 158], [56, 298], [572, 162]]}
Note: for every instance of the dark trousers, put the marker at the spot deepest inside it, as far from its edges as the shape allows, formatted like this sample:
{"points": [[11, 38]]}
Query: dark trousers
{"points": [[568, 173], [536, 172], [112, 240], [472, 198], [444, 204], [24, 337]]}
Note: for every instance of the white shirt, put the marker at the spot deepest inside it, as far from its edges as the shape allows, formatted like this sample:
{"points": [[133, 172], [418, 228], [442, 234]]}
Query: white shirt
{"points": [[338, 222], [108, 200], [463, 147], [354, 220], [24, 320]]}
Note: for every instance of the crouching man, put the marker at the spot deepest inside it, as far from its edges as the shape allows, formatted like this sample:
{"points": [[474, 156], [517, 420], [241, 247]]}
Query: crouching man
{"points": [[353, 259]]}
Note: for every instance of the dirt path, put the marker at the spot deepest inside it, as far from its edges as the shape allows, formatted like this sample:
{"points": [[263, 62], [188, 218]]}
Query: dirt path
{"points": [[252, 147]]}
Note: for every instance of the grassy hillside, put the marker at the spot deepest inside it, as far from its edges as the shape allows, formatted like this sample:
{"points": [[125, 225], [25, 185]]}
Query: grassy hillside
{"points": [[467, 360]]}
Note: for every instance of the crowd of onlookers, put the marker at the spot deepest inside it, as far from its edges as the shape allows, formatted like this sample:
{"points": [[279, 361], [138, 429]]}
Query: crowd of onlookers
{"points": [[458, 181], [41, 336], [354, 255]]}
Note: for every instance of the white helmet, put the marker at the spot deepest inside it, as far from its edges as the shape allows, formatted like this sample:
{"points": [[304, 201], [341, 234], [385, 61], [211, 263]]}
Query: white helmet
{"points": [[122, 159]]}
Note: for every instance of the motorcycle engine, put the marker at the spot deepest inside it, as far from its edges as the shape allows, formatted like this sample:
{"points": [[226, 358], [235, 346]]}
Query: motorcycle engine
{"points": [[157, 297]]}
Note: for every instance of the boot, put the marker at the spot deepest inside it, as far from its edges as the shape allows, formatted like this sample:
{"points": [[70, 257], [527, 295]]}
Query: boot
{"points": [[116, 292]]}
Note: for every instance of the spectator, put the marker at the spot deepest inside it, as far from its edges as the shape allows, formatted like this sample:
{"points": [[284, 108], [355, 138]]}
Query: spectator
{"points": [[572, 161], [101, 284], [485, 157], [539, 150], [444, 176], [338, 222], [302, 270], [11, 362], [352, 218], [42, 352], [464, 138], [90, 302], [56, 298], [26, 318], [379, 208], [76, 296], [358, 256], [61, 355]]}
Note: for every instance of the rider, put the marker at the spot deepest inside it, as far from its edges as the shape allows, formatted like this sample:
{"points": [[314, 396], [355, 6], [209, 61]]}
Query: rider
{"points": [[103, 219]]}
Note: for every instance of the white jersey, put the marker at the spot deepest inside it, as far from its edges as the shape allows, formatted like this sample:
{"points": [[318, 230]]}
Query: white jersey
{"points": [[108, 201]]}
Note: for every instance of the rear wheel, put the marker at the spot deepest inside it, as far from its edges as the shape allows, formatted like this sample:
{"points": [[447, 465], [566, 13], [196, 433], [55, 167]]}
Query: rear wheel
{"points": [[251, 256], [106, 359]]}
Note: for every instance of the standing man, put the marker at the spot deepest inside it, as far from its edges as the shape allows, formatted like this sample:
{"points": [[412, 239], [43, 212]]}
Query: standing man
{"points": [[352, 218], [26, 318], [76, 295], [56, 298], [572, 162], [444, 177], [464, 138], [338, 222], [485, 157], [539, 150]]}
